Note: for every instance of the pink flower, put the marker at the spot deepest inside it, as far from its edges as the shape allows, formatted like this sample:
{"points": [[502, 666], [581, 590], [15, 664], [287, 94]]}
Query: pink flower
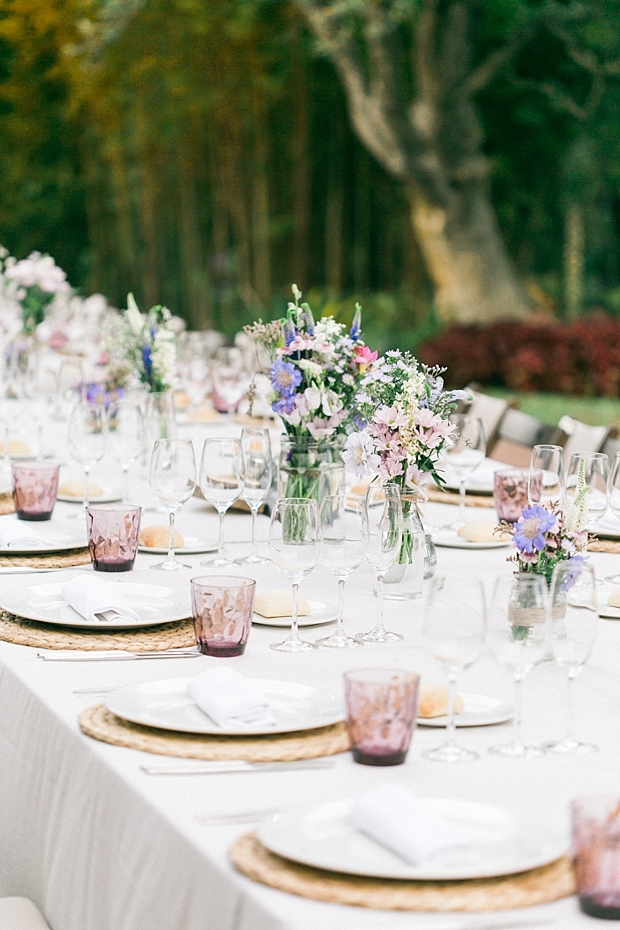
{"points": [[364, 357], [390, 467], [390, 416], [416, 478], [431, 428]]}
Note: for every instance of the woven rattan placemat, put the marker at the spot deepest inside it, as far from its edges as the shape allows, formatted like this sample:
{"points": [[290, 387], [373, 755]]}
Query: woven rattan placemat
{"points": [[604, 545], [283, 747], [471, 500], [7, 504], [538, 886], [45, 636], [68, 558]]}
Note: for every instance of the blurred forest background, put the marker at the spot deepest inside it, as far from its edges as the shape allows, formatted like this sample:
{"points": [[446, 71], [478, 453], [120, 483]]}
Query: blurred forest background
{"points": [[201, 154]]}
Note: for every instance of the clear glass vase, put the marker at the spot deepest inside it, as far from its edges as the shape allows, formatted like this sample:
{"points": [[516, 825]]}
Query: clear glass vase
{"points": [[405, 578], [310, 468]]}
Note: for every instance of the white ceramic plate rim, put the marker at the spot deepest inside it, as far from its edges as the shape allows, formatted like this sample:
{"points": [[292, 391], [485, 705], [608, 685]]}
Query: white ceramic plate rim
{"points": [[109, 496], [15, 600], [453, 541], [130, 703], [287, 835], [490, 710], [76, 540], [193, 548], [320, 614]]}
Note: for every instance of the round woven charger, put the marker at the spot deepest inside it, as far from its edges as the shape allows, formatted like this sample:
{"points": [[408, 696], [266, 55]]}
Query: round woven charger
{"points": [[44, 636], [283, 747], [471, 500], [538, 886], [66, 559], [604, 545]]}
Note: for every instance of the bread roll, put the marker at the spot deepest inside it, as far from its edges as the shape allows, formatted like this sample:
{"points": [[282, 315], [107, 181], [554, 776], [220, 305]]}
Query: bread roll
{"points": [[482, 531], [75, 488], [156, 537], [279, 603], [16, 447], [614, 598], [434, 701]]}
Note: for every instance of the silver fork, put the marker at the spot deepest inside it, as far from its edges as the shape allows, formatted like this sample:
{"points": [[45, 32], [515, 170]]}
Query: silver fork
{"points": [[118, 655]]}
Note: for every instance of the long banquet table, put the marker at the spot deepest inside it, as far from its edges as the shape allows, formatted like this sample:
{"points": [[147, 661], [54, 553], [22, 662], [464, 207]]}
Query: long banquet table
{"points": [[100, 845]]}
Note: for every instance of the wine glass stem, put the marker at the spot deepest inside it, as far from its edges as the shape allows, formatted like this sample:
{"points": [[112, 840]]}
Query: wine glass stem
{"points": [[85, 495], [220, 549], [517, 716], [125, 468], [294, 623], [379, 624], [254, 510], [450, 725], [340, 624], [570, 734], [171, 514], [462, 482]]}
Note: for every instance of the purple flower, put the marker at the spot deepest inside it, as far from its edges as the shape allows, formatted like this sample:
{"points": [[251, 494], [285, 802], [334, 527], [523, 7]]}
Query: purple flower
{"points": [[286, 404], [285, 377], [530, 529], [573, 569]]}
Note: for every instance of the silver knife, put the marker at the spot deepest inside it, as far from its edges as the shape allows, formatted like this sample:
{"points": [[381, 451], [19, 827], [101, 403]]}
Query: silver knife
{"points": [[116, 656], [236, 765]]}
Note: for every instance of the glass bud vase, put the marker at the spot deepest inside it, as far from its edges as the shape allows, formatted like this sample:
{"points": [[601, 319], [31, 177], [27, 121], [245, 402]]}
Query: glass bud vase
{"points": [[310, 468], [405, 578]]}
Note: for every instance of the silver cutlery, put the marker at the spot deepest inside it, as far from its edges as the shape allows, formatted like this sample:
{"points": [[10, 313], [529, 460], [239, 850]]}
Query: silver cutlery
{"points": [[117, 655], [255, 816], [235, 765], [95, 690]]}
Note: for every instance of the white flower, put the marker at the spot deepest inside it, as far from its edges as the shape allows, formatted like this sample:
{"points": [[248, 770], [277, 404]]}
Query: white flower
{"points": [[327, 329], [133, 315], [314, 370], [359, 456], [313, 398], [330, 403]]}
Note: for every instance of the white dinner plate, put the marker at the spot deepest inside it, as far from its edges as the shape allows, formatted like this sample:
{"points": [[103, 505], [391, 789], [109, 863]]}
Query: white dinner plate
{"points": [[479, 710], [108, 496], [484, 486], [165, 704], [53, 539], [503, 843], [450, 539], [154, 604], [192, 545], [320, 613]]}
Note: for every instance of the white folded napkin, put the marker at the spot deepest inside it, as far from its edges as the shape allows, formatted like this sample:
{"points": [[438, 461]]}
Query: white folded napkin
{"points": [[14, 533], [230, 700], [484, 473], [608, 523], [394, 817], [95, 600]]}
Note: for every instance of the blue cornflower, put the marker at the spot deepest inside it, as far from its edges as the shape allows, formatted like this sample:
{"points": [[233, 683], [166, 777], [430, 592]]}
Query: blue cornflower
{"points": [[289, 332], [356, 326], [147, 359], [530, 529], [285, 377]]}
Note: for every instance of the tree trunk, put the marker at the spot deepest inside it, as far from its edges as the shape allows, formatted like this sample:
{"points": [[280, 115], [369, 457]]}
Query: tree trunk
{"points": [[301, 170], [194, 274]]}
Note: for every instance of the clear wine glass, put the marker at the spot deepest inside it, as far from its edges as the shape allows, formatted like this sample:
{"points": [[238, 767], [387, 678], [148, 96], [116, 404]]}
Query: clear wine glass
{"points": [[256, 474], [574, 621], [613, 494], [295, 546], [125, 437], [229, 383], [517, 634], [221, 483], [550, 459], [172, 477], [594, 467], [69, 386], [87, 433], [464, 454], [342, 553], [382, 529], [453, 633]]}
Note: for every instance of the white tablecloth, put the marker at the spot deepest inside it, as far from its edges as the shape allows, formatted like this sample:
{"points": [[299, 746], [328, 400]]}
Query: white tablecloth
{"points": [[100, 845]]}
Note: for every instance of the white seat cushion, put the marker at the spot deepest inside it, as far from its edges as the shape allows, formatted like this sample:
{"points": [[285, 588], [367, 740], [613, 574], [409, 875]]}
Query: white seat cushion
{"points": [[21, 914]]}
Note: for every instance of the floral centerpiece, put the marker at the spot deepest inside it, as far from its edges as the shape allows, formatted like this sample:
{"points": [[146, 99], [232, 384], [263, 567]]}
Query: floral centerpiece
{"points": [[405, 411], [316, 369], [35, 282], [544, 536], [141, 346]]}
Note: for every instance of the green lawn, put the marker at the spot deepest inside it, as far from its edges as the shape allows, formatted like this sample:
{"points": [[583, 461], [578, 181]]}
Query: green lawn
{"points": [[597, 411]]}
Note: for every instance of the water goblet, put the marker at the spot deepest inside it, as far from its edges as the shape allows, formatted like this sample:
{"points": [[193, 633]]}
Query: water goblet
{"points": [[295, 546], [517, 632], [87, 433], [465, 452], [229, 381], [342, 553], [573, 632], [453, 634], [125, 437], [382, 531], [592, 468], [221, 483], [256, 473], [172, 477], [549, 459]]}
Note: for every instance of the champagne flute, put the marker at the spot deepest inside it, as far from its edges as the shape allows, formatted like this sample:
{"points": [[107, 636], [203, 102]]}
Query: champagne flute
{"points": [[256, 473], [464, 454], [593, 469], [517, 633], [453, 634], [382, 529], [87, 432], [613, 493], [342, 553], [221, 483], [172, 477], [295, 545], [550, 459], [573, 632], [125, 437]]}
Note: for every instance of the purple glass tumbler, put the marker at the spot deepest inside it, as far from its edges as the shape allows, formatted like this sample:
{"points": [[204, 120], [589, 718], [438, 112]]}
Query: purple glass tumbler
{"points": [[223, 608], [596, 852], [35, 485], [382, 709], [512, 488], [113, 534]]}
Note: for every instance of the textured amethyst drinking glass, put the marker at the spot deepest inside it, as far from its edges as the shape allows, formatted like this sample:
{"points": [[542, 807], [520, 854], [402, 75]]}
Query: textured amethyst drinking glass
{"points": [[34, 490], [511, 487], [596, 853], [382, 708], [113, 534], [222, 607]]}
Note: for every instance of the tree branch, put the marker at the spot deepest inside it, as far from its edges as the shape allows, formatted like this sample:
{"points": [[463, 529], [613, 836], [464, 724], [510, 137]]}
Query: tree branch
{"points": [[487, 70]]}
